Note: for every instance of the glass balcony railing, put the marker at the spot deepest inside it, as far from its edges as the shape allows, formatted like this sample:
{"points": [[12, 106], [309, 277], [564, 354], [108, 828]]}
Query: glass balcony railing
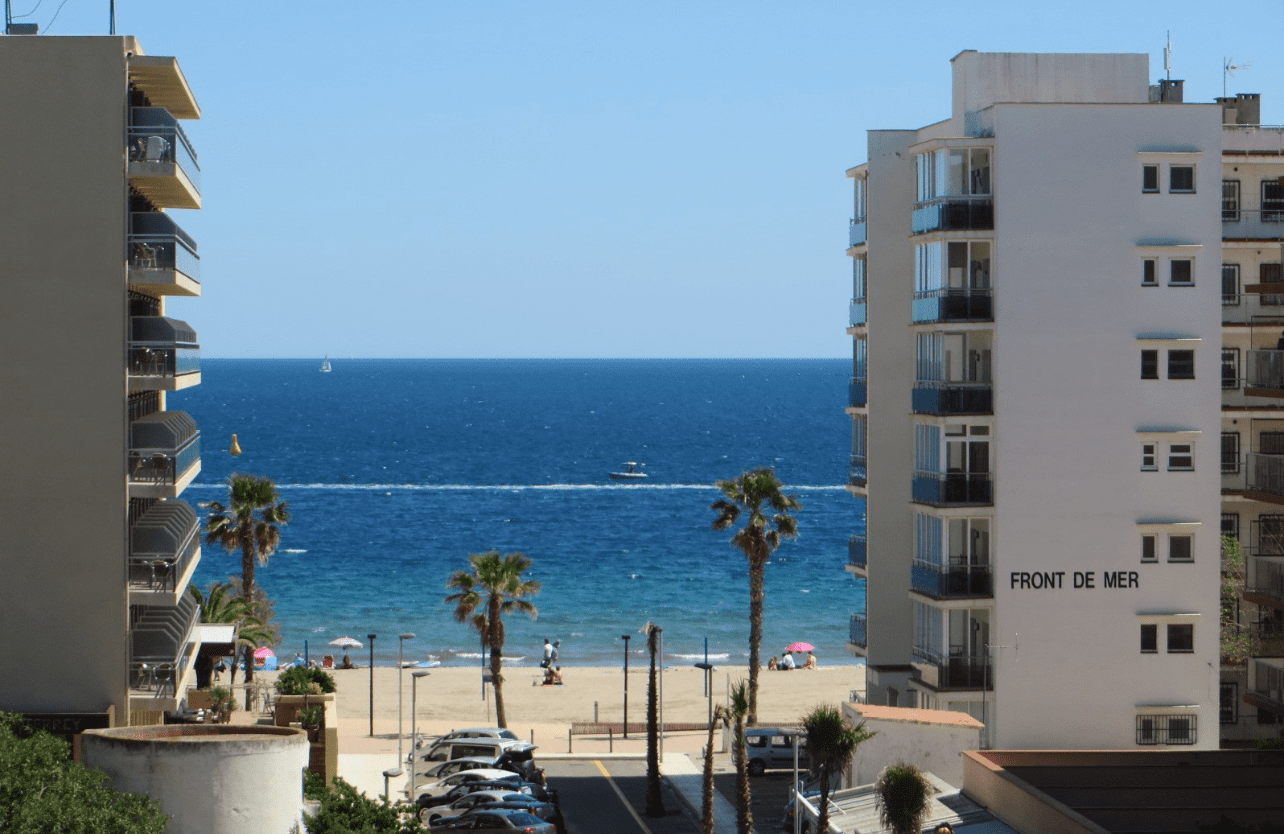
{"points": [[953, 488], [1268, 682], [856, 631], [1251, 307], [953, 305], [947, 581], [1264, 369], [162, 347], [1240, 224], [856, 551], [156, 136], [163, 447], [158, 641], [856, 471], [1267, 638], [1266, 578], [856, 313], [856, 392], [953, 214], [952, 398], [1265, 473], [157, 243], [958, 671], [162, 543], [856, 232]]}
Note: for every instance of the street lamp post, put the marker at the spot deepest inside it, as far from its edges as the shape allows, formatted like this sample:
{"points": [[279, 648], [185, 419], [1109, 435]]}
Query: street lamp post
{"points": [[401, 664], [414, 723], [625, 638], [708, 684], [371, 638]]}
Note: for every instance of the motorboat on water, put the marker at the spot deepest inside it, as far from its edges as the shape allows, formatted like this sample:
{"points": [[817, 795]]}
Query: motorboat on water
{"points": [[632, 472], [325, 365]]}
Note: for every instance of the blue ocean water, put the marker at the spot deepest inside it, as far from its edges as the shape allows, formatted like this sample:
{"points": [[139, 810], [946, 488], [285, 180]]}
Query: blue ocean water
{"points": [[395, 470]]}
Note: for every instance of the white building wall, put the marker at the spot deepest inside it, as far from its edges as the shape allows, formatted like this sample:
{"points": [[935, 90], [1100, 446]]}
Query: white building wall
{"points": [[931, 740]]}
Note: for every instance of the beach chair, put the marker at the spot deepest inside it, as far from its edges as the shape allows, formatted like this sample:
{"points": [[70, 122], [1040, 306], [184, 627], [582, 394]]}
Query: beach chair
{"points": [[327, 662]]}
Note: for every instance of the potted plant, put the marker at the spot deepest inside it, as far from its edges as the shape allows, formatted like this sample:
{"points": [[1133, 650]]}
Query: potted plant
{"points": [[301, 680], [222, 703], [312, 719]]}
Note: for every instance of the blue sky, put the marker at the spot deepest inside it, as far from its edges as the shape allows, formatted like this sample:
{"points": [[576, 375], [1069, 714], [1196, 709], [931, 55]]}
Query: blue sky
{"points": [[574, 179]]}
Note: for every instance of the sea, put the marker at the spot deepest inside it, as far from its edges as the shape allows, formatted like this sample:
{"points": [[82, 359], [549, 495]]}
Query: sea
{"points": [[396, 470]]}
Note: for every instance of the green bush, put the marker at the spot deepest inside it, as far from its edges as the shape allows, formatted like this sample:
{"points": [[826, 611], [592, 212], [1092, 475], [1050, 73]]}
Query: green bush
{"points": [[1269, 744], [345, 811], [300, 680], [43, 790], [314, 785], [312, 716]]}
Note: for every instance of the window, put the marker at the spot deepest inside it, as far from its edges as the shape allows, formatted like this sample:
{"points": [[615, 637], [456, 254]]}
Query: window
{"points": [[1148, 457], [1270, 273], [1149, 638], [1181, 179], [1166, 729], [1272, 201], [1150, 179], [1181, 364], [1180, 271], [1230, 452], [1180, 457], [1150, 364], [1181, 638], [1180, 548], [1230, 200], [1148, 273], [1148, 551], [1230, 367], [1228, 712], [1230, 525], [1230, 285]]}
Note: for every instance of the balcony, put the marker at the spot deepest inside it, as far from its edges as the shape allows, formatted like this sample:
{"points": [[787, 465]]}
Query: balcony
{"points": [[942, 398], [163, 354], [1264, 477], [856, 551], [952, 489], [856, 631], [164, 547], [952, 304], [162, 163], [945, 214], [856, 471], [1268, 686], [1264, 584], [162, 257], [1267, 638], [159, 648], [164, 454], [857, 232], [1239, 224], [856, 313], [1264, 373], [856, 392], [958, 671], [952, 581]]}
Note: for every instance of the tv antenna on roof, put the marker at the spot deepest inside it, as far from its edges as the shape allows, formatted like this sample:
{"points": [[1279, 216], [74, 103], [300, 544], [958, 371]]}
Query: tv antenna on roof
{"points": [[1228, 69], [1168, 56]]}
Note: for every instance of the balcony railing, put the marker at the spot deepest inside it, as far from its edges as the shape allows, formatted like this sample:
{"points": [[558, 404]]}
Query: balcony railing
{"points": [[856, 392], [1264, 369], [856, 631], [952, 398], [953, 214], [1253, 225], [856, 314], [856, 551], [156, 136], [163, 543], [1265, 473], [1269, 683], [856, 471], [1266, 578], [958, 671], [857, 232], [1267, 638], [157, 643], [162, 347], [163, 447], [157, 244], [946, 581], [953, 488], [953, 305], [1252, 307]]}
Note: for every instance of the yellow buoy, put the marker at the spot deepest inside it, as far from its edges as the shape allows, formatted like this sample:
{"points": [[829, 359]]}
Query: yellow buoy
{"points": [[235, 448]]}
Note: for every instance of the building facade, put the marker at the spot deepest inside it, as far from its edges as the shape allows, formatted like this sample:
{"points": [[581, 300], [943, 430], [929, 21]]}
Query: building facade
{"points": [[99, 547], [1034, 401]]}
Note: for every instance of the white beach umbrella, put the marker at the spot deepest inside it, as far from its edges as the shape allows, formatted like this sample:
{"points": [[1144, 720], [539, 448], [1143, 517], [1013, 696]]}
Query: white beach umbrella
{"points": [[346, 643]]}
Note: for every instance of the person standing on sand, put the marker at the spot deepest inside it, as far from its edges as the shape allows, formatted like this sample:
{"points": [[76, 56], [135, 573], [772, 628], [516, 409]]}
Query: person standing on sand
{"points": [[548, 654], [556, 655]]}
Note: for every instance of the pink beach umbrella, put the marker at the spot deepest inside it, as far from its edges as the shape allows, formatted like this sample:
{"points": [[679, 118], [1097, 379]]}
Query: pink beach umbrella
{"points": [[800, 647], [263, 652]]}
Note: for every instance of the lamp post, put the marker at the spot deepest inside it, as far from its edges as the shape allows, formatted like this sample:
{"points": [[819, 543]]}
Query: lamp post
{"points": [[414, 723], [625, 638], [371, 638], [401, 663], [708, 684]]}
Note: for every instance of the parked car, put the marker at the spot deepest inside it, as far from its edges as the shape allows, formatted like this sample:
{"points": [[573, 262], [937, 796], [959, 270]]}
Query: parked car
{"points": [[435, 813], [429, 789], [460, 748], [774, 747], [481, 732], [440, 770], [541, 792], [498, 821], [546, 811]]}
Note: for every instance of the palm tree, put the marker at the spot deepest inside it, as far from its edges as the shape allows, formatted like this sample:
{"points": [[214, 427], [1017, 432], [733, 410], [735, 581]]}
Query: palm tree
{"points": [[739, 708], [757, 493], [903, 797], [494, 585], [721, 717], [654, 798], [831, 741], [219, 604], [250, 522]]}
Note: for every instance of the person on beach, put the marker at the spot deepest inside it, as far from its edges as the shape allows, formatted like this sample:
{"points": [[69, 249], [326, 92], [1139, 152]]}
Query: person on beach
{"points": [[557, 645], [548, 654], [347, 662], [773, 664], [557, 676], [787, 662], [811, 661]]}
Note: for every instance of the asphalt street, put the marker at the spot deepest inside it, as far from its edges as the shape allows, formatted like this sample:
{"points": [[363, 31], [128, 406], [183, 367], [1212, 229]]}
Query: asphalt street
{"points": [[609, 797]]}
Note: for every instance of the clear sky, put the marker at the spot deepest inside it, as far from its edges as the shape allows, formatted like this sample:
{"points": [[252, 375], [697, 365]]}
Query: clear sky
{"points": [[578, 179]]}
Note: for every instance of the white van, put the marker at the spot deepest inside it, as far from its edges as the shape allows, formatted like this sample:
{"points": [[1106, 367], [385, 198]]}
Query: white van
{"points": [[774, 747]]}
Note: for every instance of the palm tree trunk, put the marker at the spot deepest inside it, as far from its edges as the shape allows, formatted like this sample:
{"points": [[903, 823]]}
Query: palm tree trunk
{"points": [[822, 824], [757, 593], [654, 797], [744, 811], [706, 822], [247, 592], [497, 681]]}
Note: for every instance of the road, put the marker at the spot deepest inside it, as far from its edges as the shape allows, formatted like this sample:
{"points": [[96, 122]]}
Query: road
{"points": [[609, 797]]}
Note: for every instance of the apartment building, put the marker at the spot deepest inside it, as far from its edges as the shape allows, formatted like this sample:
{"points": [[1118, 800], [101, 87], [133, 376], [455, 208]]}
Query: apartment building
{"points": [[1252, 438], [99, 547], [1034, 397]]}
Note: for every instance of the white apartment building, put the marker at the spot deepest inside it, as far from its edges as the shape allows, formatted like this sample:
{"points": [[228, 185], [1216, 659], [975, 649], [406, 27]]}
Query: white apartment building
{"points": [[1034, 401], [98, 546]]}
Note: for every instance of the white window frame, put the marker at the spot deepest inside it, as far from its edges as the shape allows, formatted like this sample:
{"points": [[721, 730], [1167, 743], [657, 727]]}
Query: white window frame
{"points": [[1172, 169], [1174, 451], [1149, 456]]}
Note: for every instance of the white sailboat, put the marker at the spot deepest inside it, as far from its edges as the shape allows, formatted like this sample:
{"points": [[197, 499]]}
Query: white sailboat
{"points": [[325, 365]]}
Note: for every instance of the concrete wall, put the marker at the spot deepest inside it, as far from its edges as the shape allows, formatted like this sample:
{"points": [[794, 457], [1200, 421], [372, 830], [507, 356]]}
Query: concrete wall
{"points": [[931, 740]]}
